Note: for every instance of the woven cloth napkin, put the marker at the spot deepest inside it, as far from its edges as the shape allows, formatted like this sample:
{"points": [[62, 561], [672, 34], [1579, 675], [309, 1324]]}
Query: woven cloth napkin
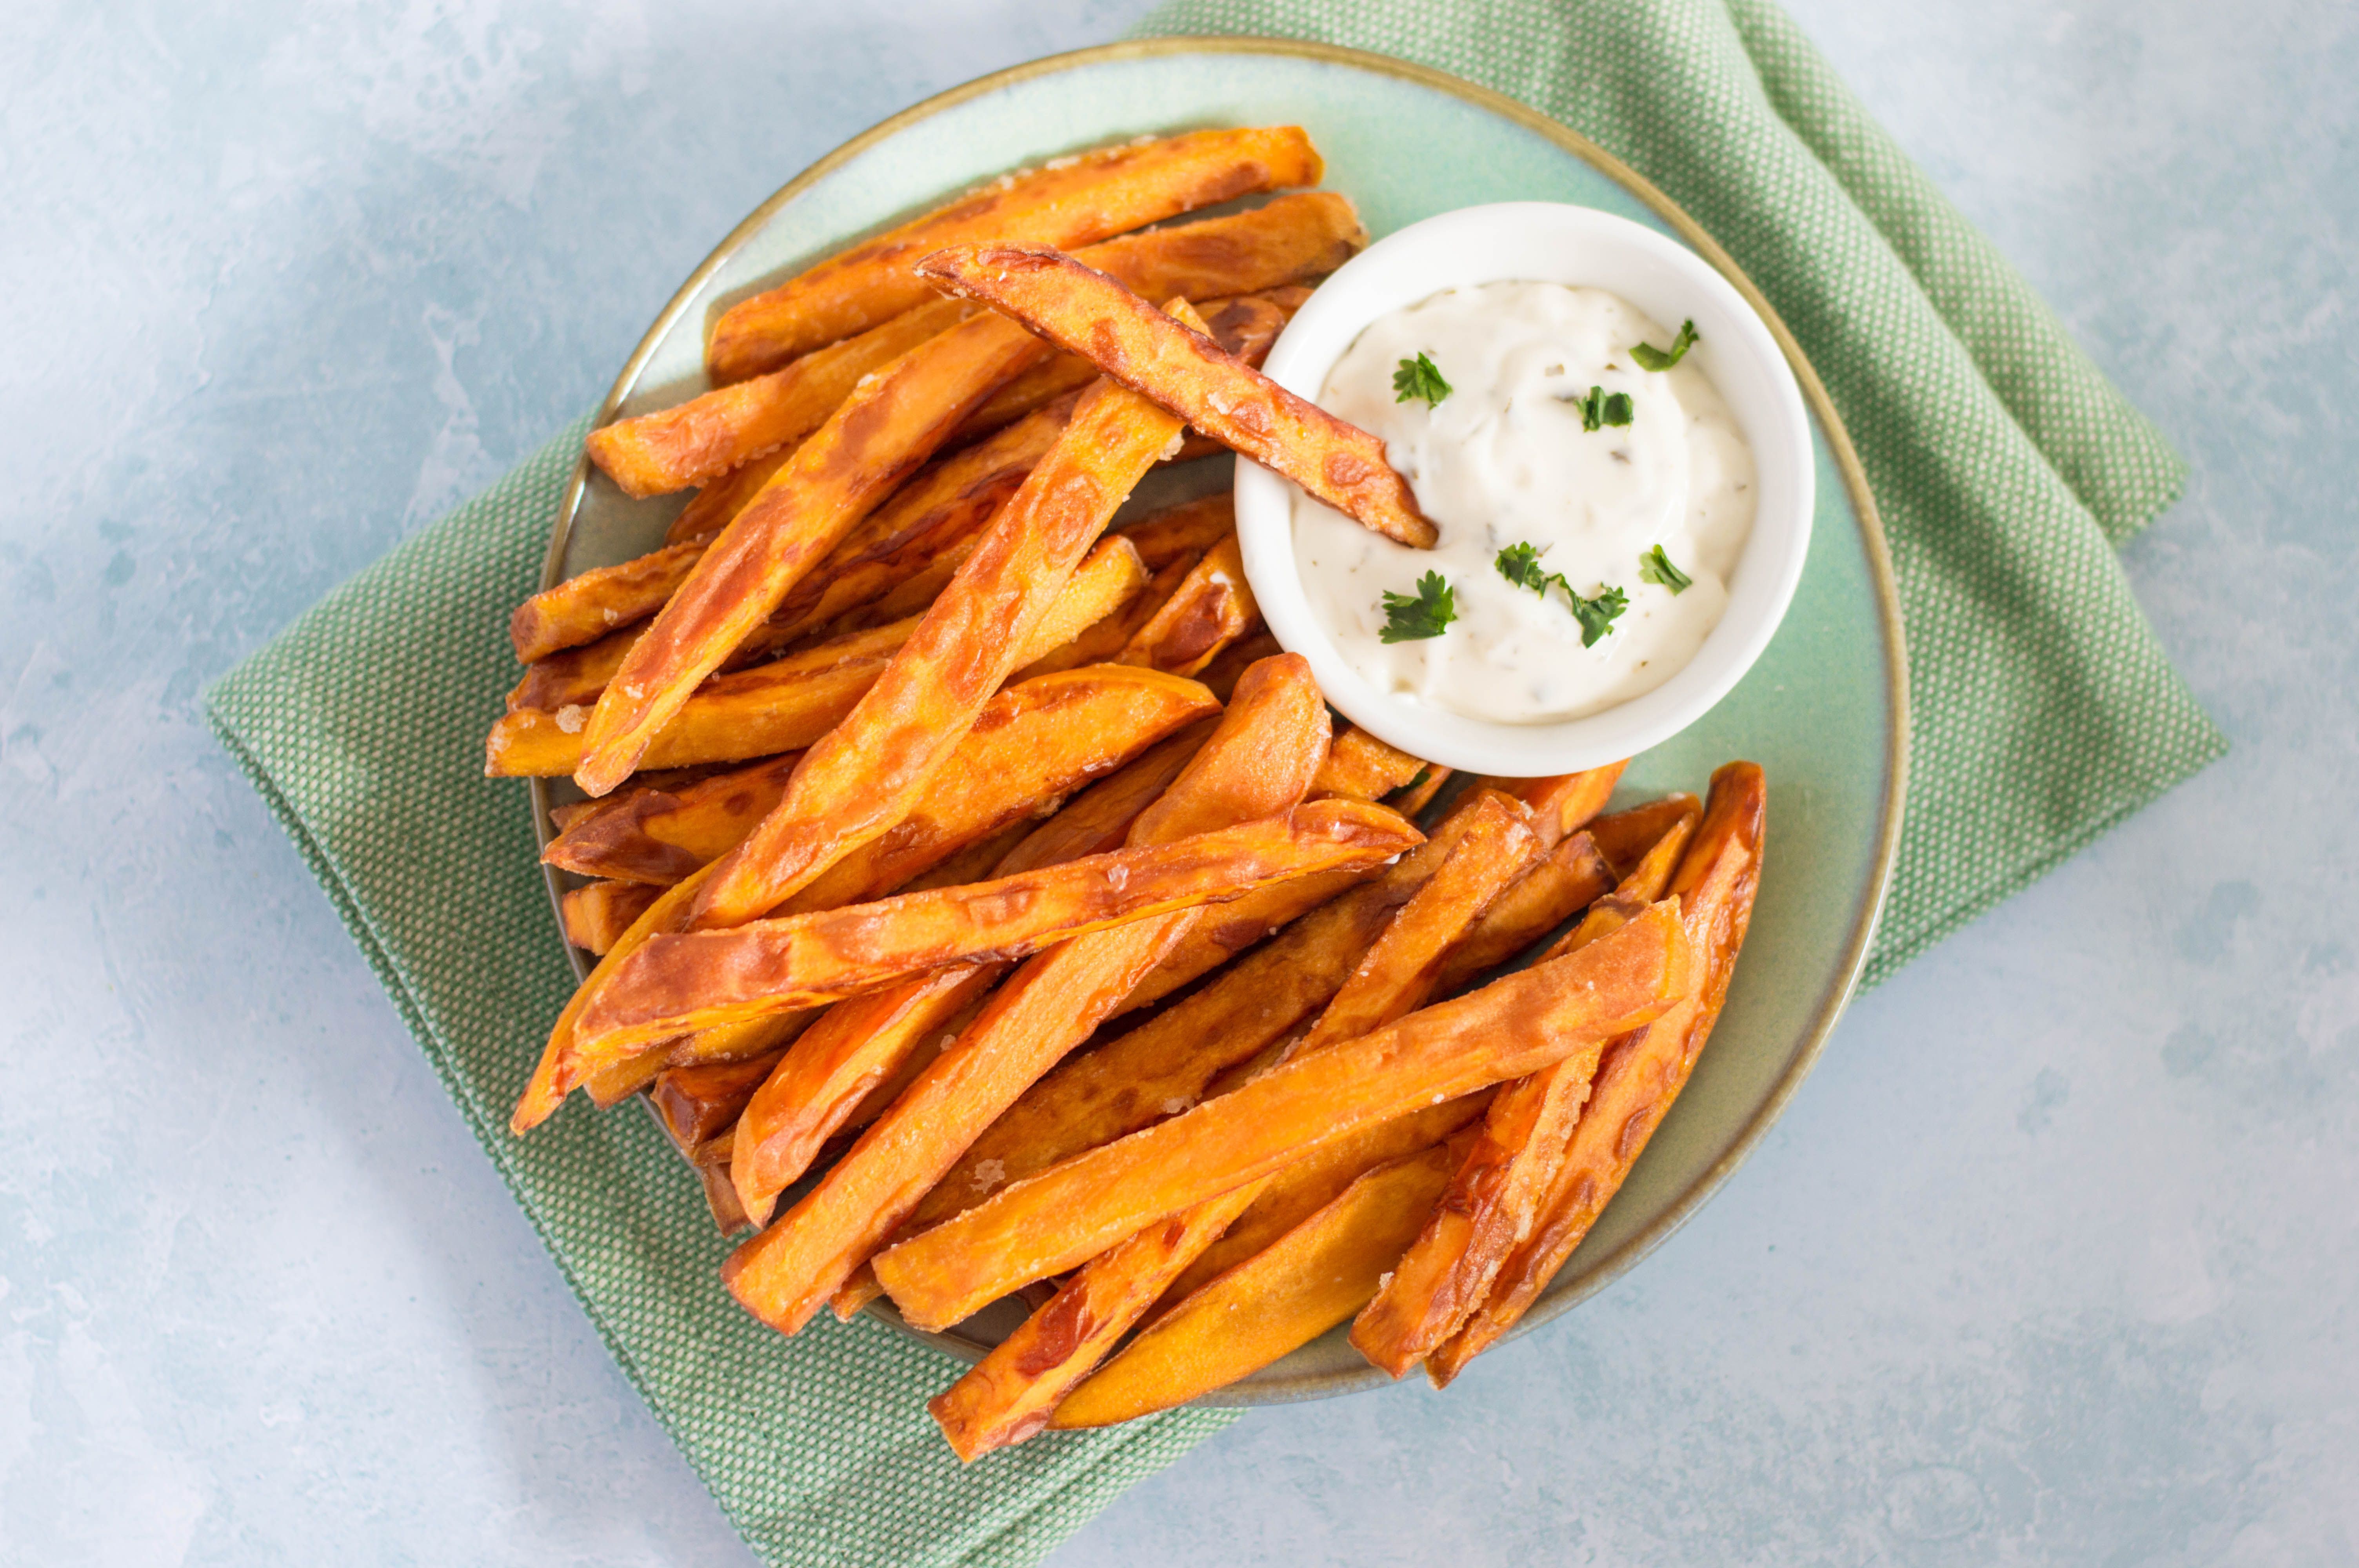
{"points": [[2004, 466]]}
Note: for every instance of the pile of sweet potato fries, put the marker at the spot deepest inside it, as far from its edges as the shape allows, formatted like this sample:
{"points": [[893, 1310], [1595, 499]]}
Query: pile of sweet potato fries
{"points": [[986, 902]]}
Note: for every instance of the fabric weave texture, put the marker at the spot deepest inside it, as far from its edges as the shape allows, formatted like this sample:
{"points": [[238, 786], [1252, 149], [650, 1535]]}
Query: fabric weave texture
{"points": [[2004, 466]]}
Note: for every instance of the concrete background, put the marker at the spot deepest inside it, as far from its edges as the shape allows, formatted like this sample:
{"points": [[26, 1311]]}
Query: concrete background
{"points": [[2049, 1263]]}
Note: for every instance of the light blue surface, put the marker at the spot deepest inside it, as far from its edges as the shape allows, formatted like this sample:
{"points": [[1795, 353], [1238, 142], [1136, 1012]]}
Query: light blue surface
{"points": [[2049, 1263]]}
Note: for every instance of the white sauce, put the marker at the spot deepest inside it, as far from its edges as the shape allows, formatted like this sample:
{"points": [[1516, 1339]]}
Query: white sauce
{"points": [[1504, 459]]}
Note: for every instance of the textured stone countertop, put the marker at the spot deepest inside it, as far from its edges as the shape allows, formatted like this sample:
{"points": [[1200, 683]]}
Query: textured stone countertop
{"points": [[2053, 1260]]}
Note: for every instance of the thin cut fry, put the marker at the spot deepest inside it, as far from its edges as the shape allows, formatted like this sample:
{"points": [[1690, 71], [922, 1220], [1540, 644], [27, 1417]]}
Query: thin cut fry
{"points": [[1087, 313], [1311, 1279], [1571, 877], [587, 606], [1099, 819], [710, 509], [1068, 1214], [596, 915], [789, 703], [1418, 792], [1624, 836], [699, 1103], [862, 779], [1258, 761], [608, 1085], [1074, 202], [890, 424], [1211, 607], [1102, 642], [1564, 803], [1361, 767], [1183, 532], [1642, 1073], [702, 978], [1220, 675]]}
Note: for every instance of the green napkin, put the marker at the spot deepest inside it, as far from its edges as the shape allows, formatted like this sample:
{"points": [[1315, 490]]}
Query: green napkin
{"points": [[2004, 465], [2003, 462]]}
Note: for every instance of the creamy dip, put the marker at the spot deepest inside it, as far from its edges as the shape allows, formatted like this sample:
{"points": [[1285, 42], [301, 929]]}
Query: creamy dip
{"points": [[1504, 459]]}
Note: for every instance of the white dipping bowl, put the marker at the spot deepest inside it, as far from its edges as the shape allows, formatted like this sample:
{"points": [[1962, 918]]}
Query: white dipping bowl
{"points": [[1547, 241]]}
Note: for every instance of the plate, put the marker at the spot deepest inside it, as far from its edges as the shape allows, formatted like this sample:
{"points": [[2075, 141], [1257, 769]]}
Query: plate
{"points": [[1824, 711]]}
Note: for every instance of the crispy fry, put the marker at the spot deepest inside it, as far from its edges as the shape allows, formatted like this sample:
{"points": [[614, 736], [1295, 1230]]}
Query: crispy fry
{"points": [[1102, 642], [728, 1216], [710, 509], [699, 1103], [1226, 930], [890, 424], [1075, 201], [1088, 313], [1418, 792], [1185, 531], [1564, 803], [1246, 325], [609, 1085], [1072, 1212], [596, 916], [573, 677], [1571, 877], [1099, 819], [1361, 767], [1009, 1395], [1624, 836], [1233, 661], [656, 837], [862, 779], [1210, 608], [700, 980], [1641, 1073], [789, 703], [586, 606], [1258, 761], [1281, 1299]]}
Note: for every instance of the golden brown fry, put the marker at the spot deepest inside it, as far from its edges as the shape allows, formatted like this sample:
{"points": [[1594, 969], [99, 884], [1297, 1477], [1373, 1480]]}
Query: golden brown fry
{"points": [[596, 916], [1099, 819], [1070, 1212], [1641, 1073], [710, 509], [574, 677], [1361, 767], [1626, 836], [656, 837], [1088, 313], [1072, 202], [1102, 642], [729, 1217], [699, 1103], [891, 422], [1210, 608], [1220, 675], [1258, 762], [863, 778], [1571, 877], [1183, 532], [1226, 930], [1418, 792], [1281, 1299], [676, 983], [1564, 803], [789, 703], [586, 606]]}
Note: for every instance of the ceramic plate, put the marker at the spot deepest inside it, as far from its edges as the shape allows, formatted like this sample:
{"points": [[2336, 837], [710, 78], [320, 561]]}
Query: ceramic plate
{"points": [[1824, 711]]}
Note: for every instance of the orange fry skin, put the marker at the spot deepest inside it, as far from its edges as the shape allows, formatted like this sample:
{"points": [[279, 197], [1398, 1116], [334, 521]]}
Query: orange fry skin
{"points": [[1076, 201], [1257, 763], [596, 916], [699, 979], [889, 425], [1185, 531], [657, 837], [1085, 312], [1070, 1212], [587, 606], [861, 779], [1571, 877], [1099, 819], [1641, 1073], [1281, 1299], [1625, 837], [1564, 803], [1210, 608], [1361, 767], [699, 1103]]}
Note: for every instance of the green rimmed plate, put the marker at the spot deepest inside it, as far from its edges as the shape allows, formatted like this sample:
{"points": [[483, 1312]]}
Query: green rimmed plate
{"points": [[1824, 711]]}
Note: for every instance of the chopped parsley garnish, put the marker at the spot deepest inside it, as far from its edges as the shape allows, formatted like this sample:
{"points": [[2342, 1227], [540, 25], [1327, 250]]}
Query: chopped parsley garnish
{"points": [[1421, 378], [1652, 358], [1655, 566], [1597, 615], [1520, 565], [1601, 408], [1408, 620]]}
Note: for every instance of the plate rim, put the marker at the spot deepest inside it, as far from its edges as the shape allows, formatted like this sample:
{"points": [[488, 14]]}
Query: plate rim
{"points": [[1845, 982]]}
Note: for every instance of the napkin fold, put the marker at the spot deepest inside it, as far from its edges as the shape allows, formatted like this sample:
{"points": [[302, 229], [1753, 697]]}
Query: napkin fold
{"points": [[2005, 467]]}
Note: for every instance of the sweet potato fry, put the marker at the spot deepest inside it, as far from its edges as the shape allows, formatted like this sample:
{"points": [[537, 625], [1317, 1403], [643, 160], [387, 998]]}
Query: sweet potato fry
{"points": [[1185, 531], [1259, 762], [1572, 876], [863, 778], [1281, 1299], [1224, 931], [1210, 608], [1087, 313], [697, 1104], [1624, 836], [1564, 803], [572, 677], [1102, 642], [891, 422], [586, 606], [1641, 1073], [656, 837], [1009, 1395], [1071, 201], [1099, 819], [1070, 1212], [1237, 657], [698, 979], [710, 509], [1418, 792], [596, 915], [1361, 767], [789, 703]]}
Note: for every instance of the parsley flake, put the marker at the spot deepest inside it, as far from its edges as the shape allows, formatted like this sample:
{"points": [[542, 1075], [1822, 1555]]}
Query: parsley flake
{"points": [[1601, 408], [1408, 620], [1420, 378], [1597, 615], [1655, 566], [1652, 358], [1520, 565]]}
